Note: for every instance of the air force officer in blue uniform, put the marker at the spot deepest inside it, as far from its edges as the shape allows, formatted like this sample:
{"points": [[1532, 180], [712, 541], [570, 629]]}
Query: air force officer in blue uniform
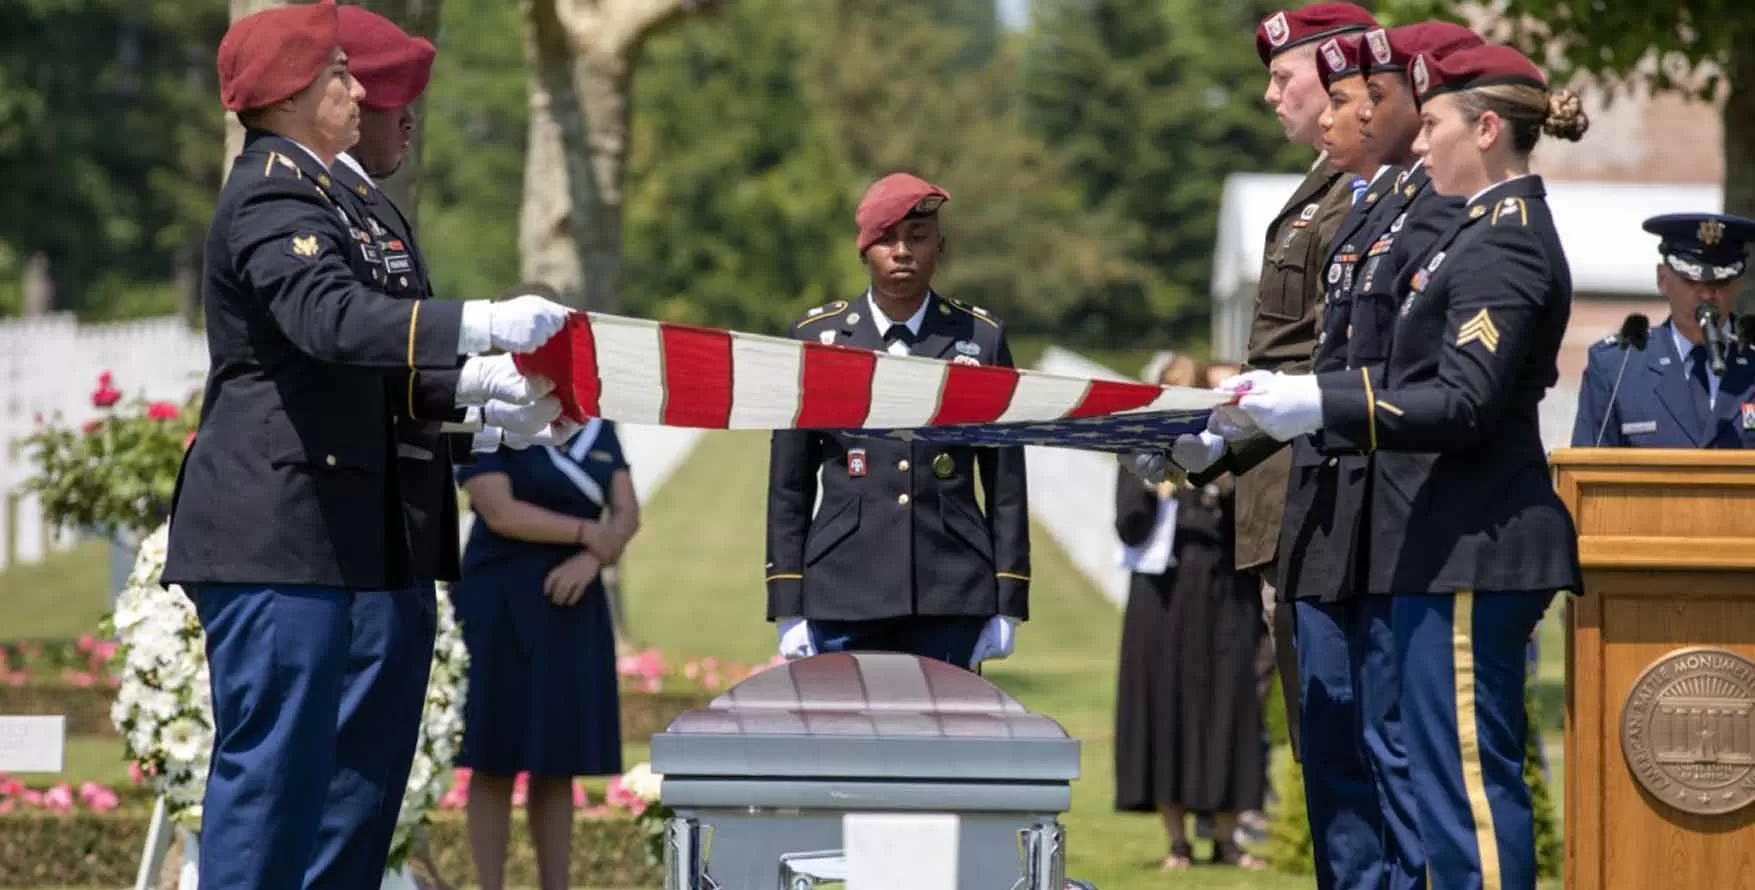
{"points": [[1664, 392]]}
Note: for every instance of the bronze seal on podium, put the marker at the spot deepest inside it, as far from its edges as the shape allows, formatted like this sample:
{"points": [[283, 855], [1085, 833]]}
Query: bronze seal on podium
{"points": [[1688, 730]]}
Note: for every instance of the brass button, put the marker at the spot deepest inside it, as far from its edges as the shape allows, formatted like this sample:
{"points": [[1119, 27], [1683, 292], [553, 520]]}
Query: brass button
{"points": [[902, 499], [902, 465], [403, 281], [329, 459]]}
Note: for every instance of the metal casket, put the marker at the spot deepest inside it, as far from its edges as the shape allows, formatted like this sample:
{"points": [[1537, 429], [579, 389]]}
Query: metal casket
{"points": [[759, 780]]}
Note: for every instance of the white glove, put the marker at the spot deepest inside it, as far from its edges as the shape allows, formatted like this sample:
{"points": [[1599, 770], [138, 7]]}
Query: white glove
{"points": [[517, 325], [1149, 466], [527, 419], [556, 434], [1237, 383], [1198, 451], [1285, 406], [496, 377], [995, 641], [795, 638]]}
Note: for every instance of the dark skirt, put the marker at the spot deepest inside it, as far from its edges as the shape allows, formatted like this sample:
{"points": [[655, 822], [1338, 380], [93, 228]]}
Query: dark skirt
{"points": [[542, 682], [1188, 721]]}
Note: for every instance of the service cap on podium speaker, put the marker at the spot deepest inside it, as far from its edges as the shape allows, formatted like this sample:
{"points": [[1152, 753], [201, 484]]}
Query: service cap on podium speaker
{"points": [[1703, 247]]}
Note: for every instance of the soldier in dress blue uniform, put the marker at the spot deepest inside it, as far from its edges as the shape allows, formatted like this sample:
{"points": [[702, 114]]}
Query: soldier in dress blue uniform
{"points": [[1663, 392], [289, 503], [1362, 802], [1468, 535], [393, 632], [900, 556], [1360, 820]]}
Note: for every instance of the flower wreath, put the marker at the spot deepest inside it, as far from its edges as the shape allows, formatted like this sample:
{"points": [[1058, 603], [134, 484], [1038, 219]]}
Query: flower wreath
{"points": [[164, 709]]}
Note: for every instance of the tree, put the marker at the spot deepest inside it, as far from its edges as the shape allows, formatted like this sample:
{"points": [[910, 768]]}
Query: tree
{"points": [[581, 54], [738, 211], [889, 85], [1701, 48], [474, 118], [104, 107], [1152, 105]]}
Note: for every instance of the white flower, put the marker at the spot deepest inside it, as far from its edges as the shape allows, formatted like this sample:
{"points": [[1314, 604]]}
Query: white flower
{"points": [[643, 782], [185, 739]]}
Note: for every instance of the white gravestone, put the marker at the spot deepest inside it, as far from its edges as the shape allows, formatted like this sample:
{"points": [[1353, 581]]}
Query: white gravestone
{"points": [[32, 744]]}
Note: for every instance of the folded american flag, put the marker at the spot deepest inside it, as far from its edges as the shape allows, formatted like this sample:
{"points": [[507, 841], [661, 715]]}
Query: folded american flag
{"points": [[637, 371]]}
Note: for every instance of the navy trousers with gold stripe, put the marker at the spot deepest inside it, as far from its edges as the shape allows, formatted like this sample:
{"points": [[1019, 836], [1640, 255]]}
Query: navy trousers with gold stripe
{"points": [[1463, 671], [1358, 790]]}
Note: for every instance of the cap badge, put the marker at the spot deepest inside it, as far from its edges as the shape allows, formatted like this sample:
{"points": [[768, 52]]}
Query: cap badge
{"points": [[1711, 232], [1378, 40], [928, 204], [1277, 32], [1331, 52], [1422, 77]]}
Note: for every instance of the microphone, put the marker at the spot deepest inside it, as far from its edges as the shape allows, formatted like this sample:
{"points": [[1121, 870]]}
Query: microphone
{"points": [[1634, 332], [1710, 325], [1637, 328]]}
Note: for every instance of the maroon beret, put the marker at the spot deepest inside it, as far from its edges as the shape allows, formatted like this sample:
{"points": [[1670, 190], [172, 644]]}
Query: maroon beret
{"points": [[1288, 28], [392, 66], [1337, 58], [1464, 69], [892, 199], [1393, 50], [269, 56]]}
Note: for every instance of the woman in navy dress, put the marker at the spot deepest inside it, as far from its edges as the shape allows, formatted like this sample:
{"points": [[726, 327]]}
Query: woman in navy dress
{"points": [[535, 619]]}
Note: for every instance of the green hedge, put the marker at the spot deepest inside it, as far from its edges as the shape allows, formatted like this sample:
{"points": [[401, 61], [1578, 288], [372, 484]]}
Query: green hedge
{"points": [[39, 849], [1290, 848], [644, 714]]}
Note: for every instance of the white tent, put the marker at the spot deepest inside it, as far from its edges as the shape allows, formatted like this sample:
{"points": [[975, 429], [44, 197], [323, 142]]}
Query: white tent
{"points": [[1599, 224]]}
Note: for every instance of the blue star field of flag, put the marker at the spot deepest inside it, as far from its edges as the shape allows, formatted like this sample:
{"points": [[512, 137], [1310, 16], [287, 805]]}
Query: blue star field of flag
{"points": [[1112, 433]]}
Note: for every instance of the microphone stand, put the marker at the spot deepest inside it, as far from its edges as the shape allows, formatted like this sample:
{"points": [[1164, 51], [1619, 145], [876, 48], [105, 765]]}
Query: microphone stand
{"points": [[1632, 335]]}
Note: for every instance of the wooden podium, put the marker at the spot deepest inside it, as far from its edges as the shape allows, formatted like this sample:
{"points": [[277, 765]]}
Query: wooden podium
{"points": [[1660, 686]]}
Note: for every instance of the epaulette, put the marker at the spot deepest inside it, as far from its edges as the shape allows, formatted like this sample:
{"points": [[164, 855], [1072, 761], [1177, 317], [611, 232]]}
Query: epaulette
{"points": [[277, 161], [976, 311], [1511, 210], [821, 313]]}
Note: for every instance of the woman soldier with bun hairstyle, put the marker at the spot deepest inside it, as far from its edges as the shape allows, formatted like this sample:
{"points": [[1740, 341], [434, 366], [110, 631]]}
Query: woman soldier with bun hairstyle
{"points": [[1468, 534]]}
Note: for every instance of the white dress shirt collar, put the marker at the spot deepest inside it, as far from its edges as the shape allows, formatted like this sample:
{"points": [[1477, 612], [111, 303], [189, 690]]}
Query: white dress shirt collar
{"points": [[354, 165], [883, 321]]}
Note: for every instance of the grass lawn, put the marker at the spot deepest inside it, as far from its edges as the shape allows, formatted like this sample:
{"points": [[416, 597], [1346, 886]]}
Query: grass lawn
{"points": [[65, 595]]}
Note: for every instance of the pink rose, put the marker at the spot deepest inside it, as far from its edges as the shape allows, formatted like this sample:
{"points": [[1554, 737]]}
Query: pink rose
{"points": [[163, 411], [59, 798]]}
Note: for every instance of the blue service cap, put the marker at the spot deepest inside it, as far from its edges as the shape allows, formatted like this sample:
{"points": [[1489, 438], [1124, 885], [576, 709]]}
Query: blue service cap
{"points": [[1703, 247]]}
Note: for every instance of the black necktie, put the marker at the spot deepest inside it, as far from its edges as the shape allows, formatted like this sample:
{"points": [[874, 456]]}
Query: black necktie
{"points": [[899, 332], [1702, 387]]}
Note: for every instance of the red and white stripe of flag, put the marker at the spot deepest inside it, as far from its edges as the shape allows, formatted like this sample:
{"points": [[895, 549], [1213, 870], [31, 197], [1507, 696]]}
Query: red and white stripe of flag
{"points": [[637, 371]]}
